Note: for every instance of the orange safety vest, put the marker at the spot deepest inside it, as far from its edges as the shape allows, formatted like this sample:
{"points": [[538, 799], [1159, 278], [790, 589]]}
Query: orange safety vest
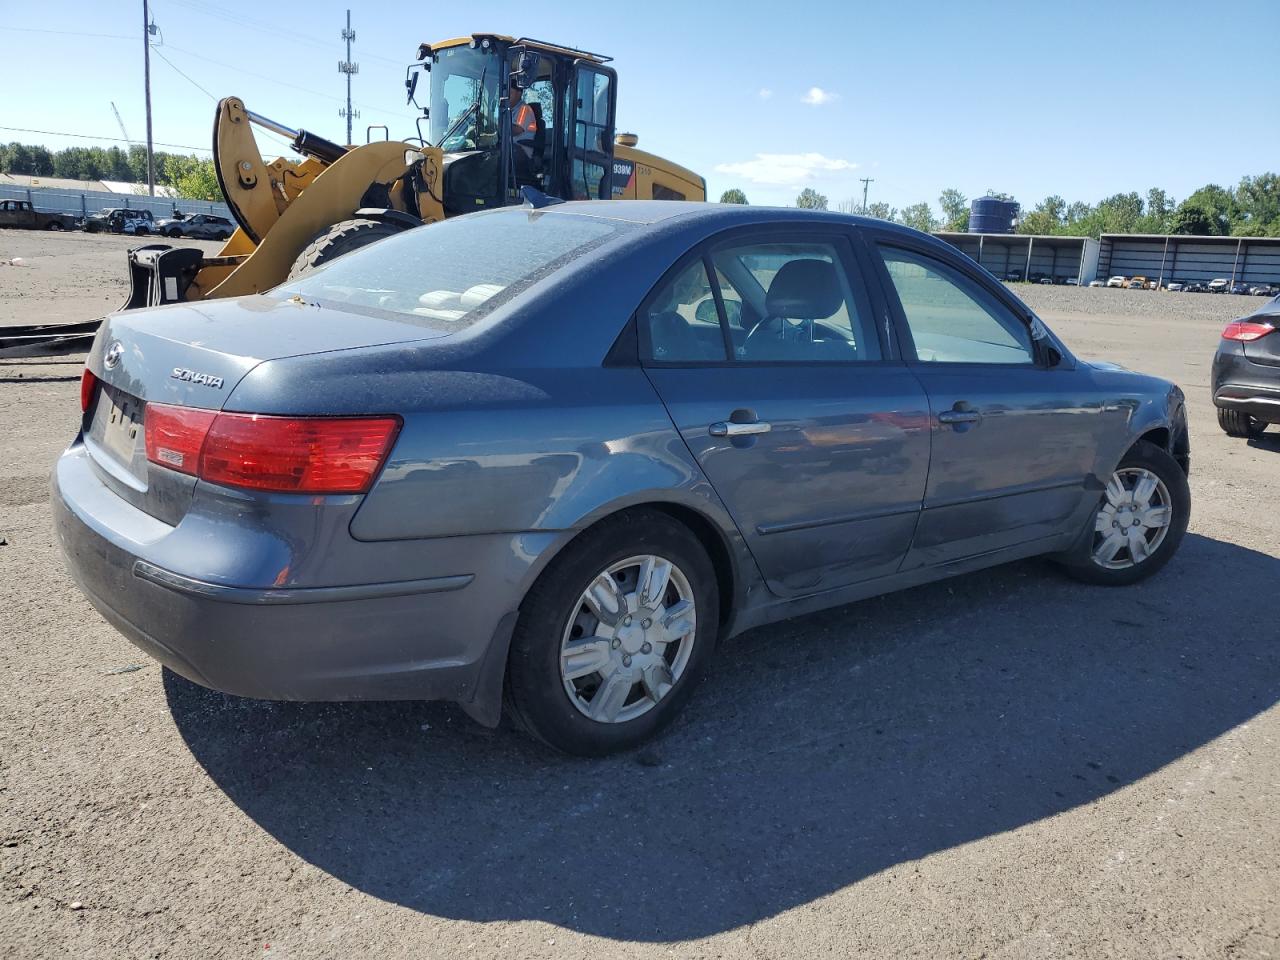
{"points": [[525, 120]]}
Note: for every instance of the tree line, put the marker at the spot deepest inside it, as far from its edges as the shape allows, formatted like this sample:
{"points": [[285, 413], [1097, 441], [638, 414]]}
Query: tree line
{"points": [[1250, 209], [190, 176]]}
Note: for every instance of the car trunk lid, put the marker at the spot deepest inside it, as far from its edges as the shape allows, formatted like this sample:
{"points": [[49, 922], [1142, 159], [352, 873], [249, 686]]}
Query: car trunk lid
{"points": [[193, 355]]}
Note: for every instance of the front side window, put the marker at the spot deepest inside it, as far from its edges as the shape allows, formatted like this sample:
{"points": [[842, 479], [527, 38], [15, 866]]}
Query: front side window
{"points": [[792, 302], [950, 318], [464, 98], [450, 274]]}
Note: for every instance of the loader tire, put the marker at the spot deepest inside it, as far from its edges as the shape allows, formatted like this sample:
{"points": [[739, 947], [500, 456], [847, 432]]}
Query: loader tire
{"points": [[340, 239]]}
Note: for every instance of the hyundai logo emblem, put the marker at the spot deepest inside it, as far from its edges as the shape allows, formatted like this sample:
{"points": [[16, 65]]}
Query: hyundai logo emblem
{"points": [[112, 357]]}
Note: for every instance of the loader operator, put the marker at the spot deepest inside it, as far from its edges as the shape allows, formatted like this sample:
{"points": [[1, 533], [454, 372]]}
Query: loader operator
{"points": [[524, 133]]}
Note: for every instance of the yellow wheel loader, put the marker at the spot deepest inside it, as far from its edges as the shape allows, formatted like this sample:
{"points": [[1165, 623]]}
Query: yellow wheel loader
{"points": [[505, 120]]}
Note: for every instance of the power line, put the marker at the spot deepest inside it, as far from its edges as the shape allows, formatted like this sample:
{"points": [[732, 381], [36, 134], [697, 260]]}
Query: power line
{"points": [[87, 136], [183, 75], [69, 33]]}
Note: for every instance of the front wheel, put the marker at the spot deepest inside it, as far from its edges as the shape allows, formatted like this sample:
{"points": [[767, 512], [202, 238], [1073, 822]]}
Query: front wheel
{"points": [[614, 635], [54, 225], [1234, 423], [1139, 522], [141, 231]]}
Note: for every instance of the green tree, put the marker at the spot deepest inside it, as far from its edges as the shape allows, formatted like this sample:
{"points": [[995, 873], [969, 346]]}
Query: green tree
{"points": [[955, 210], [882, 211], [1047, 218], [733, 195], [919, 216], [810, 199], [1212, 209], [192, 177], [1258, 204]]}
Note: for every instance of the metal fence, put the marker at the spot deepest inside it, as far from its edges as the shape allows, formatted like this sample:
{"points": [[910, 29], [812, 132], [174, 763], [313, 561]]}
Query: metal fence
{"points": [[82, 203]]}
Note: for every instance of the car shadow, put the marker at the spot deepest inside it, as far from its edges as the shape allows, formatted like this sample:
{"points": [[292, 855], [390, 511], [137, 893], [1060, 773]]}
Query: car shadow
{"points": [[821, 751], [1268, 441]]}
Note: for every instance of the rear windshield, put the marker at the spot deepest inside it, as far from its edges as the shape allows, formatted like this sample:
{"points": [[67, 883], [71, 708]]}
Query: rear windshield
{"points": [[448, 275]]}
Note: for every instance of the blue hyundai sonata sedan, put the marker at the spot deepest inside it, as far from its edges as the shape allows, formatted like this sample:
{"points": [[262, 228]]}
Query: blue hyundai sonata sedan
{"points": [[549, 458]]}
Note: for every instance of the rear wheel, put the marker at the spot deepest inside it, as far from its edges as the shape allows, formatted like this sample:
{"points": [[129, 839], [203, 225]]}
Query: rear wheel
{"points": [[338, 240], [614, 636], [54, 225], [141, 232], [1139, 522], [1234, 423]]}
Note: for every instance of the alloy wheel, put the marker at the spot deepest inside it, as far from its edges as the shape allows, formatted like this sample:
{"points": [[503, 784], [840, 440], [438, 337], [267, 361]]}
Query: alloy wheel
{"points": [[628, 639], [1133, 519]]}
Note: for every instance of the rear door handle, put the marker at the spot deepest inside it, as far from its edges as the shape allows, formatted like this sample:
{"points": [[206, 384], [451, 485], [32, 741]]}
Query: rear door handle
{"points": [[959, 416], [727, 428]]}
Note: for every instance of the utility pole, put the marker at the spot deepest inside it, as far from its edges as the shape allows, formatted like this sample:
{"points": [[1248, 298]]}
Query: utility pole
{"points": [[146, 81], [349, 68], [866, 183]]}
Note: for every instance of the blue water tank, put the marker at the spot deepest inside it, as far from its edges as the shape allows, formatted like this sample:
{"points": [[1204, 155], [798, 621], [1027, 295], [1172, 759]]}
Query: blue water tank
{"points": [[990, 215]]}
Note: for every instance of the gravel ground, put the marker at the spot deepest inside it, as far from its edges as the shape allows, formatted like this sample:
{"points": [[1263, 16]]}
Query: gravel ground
{"points": [[1004, 765]]}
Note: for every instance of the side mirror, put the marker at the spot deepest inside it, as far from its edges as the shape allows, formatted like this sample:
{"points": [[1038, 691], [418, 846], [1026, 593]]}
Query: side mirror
{"points": [[1052, 356], [411, 84], [526, 70]]}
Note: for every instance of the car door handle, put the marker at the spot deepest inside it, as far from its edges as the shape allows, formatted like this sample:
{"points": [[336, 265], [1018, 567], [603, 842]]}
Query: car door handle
{"points": [[959, 416], [727, 428]]}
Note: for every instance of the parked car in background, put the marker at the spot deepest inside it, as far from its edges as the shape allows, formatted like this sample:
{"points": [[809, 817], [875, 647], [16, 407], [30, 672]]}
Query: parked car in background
{"points": [[1173, 286], [1240, 289], [1220, 285], [1246, 373], [1137, 283], [121, 220], [1014, 276], [1037, 277], [1117, 281], [586, 446], [1195, 286], [1098, 283], [1071, 282], [20, 214], [1262, 290], [200, 226]]}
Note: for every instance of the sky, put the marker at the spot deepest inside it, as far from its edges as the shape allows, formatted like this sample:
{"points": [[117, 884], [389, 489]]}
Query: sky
{"points": [[1081, 99]]}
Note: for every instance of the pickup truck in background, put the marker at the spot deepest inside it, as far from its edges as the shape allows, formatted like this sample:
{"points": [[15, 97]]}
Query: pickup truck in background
{"points": [[22, 215]]}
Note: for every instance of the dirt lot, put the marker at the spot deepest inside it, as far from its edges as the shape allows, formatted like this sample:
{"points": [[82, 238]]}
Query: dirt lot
{"points": [[1008, 764]]}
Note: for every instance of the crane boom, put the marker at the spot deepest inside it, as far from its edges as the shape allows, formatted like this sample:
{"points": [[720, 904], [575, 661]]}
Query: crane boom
{"points": [[123, 132]]}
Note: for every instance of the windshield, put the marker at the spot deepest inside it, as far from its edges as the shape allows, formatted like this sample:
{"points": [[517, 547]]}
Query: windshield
{"points": [[464, 99], [448, 275]]}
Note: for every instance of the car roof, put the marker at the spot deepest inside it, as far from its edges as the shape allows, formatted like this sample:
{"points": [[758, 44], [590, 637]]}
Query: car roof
{"points": [[710, 215]]}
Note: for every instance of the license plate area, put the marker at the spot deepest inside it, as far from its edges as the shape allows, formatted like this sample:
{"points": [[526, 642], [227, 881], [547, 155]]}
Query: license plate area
{"points": [[122, 431]]}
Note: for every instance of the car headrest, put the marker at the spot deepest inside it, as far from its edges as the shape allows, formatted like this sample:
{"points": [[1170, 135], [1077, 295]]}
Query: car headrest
{"points": [[804, 290]]}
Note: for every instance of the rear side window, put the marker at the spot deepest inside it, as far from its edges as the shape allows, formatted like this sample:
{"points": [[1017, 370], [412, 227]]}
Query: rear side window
{"points": [[681, 318], [449, 275], [951, 319]]}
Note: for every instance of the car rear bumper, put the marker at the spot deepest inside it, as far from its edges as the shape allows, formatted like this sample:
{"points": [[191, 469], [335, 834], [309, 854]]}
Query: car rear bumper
{"points": [[1243, 385], [426, 638]]}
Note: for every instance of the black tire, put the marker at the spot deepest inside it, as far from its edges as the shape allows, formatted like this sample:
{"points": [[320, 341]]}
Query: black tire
{"points": [[174, 234], [340, 239], [141, 232], [1079, 562], [1234, 423], [535, 690], [54, 225]]}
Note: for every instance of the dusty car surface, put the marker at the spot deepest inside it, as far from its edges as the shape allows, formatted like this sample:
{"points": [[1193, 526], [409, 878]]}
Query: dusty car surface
{"points": [[560, 454]]}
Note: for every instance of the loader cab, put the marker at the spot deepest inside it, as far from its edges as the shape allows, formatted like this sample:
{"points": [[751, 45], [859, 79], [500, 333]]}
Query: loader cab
{"points": [[513, 113]]}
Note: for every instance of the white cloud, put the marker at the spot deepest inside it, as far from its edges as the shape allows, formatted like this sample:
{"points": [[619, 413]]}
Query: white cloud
{"points": [[816, 97], [785, 169], [765, 93]]}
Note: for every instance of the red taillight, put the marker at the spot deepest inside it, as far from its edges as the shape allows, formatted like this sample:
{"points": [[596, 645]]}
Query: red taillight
{"points": [[288, 454], [1246, 331], [88, 382], [175, 435]]}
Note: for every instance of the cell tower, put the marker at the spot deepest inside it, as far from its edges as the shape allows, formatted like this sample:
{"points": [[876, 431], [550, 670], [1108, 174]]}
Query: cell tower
{"points": [[348, 67]]}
